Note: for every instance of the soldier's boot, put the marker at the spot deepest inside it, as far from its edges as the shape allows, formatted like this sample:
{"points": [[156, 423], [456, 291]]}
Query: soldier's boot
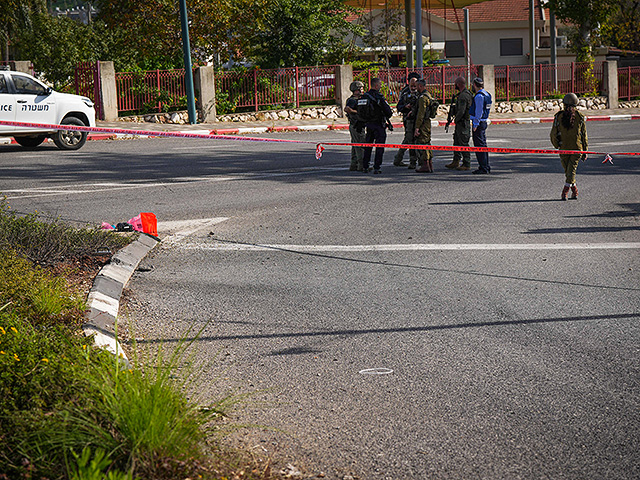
{"points": [[424, 167], [565, 190], [574, 192], [454, 164], [430, 162], [397, 161]]}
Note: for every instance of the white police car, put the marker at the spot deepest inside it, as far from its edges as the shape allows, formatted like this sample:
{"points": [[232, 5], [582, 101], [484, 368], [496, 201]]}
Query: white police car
{"points": [[26, 99]]}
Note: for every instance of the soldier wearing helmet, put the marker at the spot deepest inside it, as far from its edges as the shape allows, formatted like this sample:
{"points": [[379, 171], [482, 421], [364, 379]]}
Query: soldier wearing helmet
{"points": [[356, 125], [569, 132], [407, 106]]}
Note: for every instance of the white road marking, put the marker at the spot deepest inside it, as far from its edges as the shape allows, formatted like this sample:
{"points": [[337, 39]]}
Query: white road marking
{"points": [[179, 229], [219, 246]]}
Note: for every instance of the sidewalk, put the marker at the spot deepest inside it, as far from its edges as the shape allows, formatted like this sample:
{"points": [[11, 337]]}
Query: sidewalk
{"points": [[233, 128]]}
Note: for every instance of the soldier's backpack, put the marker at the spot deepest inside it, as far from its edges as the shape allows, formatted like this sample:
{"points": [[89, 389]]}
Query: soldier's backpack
{"points": [[368, 108], [433, 108]]}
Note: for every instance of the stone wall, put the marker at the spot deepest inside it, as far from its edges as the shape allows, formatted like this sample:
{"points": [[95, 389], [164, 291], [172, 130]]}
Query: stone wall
{"points": [[329, 112], [549, 105]]}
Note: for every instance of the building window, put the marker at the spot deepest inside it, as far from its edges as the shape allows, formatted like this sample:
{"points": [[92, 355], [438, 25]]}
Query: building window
{"points": [[510, 47], [454, 48]]}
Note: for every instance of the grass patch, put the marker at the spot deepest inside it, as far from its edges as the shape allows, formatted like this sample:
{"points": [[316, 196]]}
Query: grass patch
{"points": [[47, 243], [70, 411]]}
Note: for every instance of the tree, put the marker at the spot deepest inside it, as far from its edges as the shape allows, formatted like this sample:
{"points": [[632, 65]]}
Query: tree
{"points": [[383, 30], [16, 15], [152, 28], [586, 16], [55, 46], [301, 32], [622, 30]]}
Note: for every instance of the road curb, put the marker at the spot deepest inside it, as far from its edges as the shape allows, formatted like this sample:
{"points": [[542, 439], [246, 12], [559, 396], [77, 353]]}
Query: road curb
{"points": [[103, 300]]}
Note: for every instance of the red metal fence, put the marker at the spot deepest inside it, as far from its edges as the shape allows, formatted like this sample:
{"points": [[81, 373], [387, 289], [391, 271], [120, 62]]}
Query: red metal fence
{"points": [[547, 81], [629, 83], [151, 91], [440, 80], [159, 90], [87, 83], [286, 87]]}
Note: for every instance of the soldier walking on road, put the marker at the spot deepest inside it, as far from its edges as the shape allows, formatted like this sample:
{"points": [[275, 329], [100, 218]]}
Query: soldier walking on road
{"points": [[407, 107], [462, 131], [479, 112], [569, 132], [356, 125], [427, 109]]}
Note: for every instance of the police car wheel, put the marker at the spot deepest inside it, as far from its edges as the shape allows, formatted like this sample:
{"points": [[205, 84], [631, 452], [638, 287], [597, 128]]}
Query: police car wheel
{"points": [[70, 139], [31, 141]]}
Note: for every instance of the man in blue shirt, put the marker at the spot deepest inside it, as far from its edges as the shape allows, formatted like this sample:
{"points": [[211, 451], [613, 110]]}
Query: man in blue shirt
{"points": [[479, 112]]}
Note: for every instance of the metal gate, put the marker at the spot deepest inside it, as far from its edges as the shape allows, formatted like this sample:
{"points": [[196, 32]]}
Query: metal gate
{"points": [[87, 83]]}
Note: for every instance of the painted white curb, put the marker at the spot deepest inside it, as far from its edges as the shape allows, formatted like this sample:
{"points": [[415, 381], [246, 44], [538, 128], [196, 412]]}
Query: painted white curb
{"points": [[103, 303]]}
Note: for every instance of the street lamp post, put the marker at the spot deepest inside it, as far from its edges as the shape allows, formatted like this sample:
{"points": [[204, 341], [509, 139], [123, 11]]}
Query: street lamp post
{"points": [[188, 70], [419, 57]]}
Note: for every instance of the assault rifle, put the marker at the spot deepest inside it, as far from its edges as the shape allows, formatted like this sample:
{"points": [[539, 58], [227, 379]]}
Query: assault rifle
{"points": [[452, 113]]}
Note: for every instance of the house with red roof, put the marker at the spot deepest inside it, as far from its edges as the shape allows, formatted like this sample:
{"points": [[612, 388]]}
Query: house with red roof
{"points": [[499, 32]]}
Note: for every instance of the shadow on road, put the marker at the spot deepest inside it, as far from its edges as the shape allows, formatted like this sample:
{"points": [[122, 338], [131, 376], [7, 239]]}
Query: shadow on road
{"points": [[369, 331]]}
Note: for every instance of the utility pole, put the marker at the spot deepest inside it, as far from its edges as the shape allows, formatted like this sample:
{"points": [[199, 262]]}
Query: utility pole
{"points": [[419, 52], [467, 50], [532, 45], [554, 49], [409, 39], [188, 70]]}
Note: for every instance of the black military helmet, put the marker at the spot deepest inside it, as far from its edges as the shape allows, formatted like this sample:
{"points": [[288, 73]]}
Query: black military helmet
{"points": [[570, 99], [478, 82], [357, 85]]}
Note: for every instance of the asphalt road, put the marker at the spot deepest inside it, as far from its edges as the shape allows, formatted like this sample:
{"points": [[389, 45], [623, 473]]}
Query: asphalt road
{"points": [[397, 326]]}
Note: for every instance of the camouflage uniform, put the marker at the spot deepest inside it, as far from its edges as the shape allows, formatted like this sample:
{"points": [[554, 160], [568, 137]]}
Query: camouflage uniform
{"points": [[407, 98], [356, 130], [423, 125], [574, 138]]}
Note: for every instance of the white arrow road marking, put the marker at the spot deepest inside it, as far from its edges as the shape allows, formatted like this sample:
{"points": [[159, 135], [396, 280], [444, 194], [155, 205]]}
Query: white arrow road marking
{"points": [[179, 229]]}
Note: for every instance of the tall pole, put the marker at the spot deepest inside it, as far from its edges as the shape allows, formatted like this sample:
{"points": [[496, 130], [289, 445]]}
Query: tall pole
{"points": [[419, 33], [188, 70], [532, 46], [554, 49], [467, 52], [409, 39]]}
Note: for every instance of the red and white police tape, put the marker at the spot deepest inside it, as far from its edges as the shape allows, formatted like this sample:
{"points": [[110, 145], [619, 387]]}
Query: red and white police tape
{"points": [[319, 146]]}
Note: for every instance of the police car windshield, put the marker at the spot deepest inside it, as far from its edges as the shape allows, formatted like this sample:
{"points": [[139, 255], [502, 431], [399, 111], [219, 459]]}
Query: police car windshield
{"points": [[3, 85], [28, 86]]}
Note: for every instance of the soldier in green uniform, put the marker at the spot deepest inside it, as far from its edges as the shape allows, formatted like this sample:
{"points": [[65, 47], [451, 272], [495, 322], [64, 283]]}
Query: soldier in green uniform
{"points": [[407, 106], [427, 109], [462, 132], [569, 132]]}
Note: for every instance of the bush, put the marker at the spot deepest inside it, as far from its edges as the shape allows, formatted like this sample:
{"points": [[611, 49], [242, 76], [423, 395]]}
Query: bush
{"points": [[61, 395], [47, 242]]}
